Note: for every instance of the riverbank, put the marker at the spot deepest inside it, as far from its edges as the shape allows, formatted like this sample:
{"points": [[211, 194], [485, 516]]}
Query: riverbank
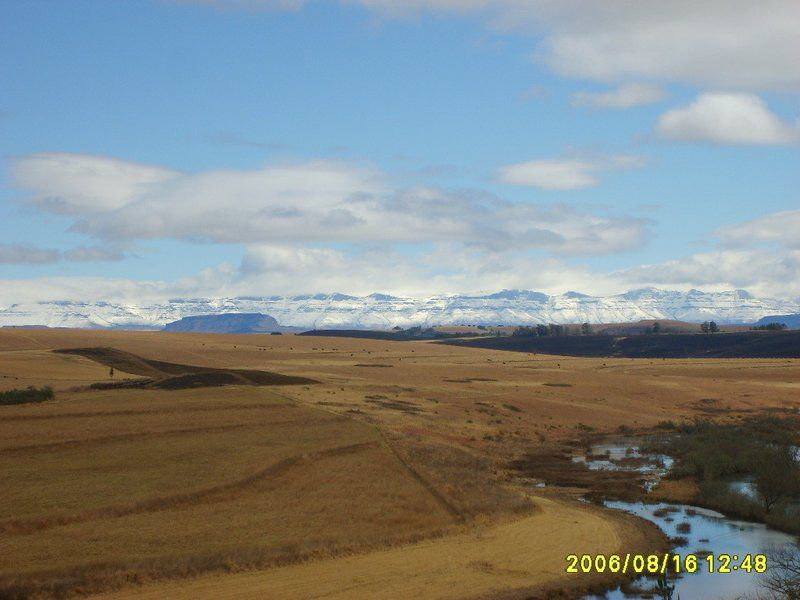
{"points": [[680, 509]]}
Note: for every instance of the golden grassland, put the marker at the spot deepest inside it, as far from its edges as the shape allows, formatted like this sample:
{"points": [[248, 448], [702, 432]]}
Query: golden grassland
{"points": [[520, 559], [100, 486], [398, 442], [23, 368]]}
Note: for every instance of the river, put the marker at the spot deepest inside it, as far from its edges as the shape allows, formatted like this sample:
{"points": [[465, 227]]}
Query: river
{"points": [[704, 530]]}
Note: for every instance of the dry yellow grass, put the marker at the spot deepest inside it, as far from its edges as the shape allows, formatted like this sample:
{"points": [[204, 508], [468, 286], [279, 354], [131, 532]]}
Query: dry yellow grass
{"points": [[521, 556], [20, 369], [445, 384], [186, 481], [102, 485]]}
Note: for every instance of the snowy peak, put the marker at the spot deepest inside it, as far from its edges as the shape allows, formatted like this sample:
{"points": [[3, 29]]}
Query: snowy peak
{"points": [[381, 311]]}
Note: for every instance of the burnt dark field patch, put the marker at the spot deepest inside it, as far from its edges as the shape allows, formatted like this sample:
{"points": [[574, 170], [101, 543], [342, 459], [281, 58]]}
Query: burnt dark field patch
{"points": [[175, 376]]}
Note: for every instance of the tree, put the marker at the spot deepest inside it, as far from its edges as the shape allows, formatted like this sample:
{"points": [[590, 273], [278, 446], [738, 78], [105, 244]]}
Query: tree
{"points": [[771, 327], [777, 475], [524, 331], [783, 574], [111, 372], [586, 329], [542, 330], [704, 326], [713, 327], [656, 327]]}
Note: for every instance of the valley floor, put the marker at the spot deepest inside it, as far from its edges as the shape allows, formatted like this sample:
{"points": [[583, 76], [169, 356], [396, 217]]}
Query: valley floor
{"points": [[386, 471]]}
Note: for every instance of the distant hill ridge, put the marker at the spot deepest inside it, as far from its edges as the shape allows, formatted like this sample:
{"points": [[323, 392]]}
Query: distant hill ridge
{"points": [[791, 321]]}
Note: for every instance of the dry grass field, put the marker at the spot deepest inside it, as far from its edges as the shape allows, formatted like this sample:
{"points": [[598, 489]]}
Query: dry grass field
{"points": [[389, 477], [512, 560]]}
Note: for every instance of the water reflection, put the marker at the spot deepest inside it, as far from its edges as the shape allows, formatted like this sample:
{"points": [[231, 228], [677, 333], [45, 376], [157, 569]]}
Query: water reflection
{"points": [[703, 530], [708, 531]]}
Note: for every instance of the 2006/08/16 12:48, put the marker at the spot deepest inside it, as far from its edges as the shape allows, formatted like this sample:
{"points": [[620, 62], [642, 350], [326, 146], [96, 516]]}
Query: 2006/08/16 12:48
{"points": [[655, 564]]}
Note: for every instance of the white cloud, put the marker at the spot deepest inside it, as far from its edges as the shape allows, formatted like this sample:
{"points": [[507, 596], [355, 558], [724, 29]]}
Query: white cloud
{"points": [[712, 43], [85, 184], [556, 174], [730, 43], [566, 173], [723, 118], [317, 202], [294, 269], [782, 227], [25, 254], [31, 255], [92, 254], [762, 272], [742, 261], [442, 269], [87, 289], [625, 96]]}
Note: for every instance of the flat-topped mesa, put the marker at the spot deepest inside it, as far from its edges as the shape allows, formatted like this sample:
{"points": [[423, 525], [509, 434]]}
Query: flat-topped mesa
{"points": [[228, 323]]}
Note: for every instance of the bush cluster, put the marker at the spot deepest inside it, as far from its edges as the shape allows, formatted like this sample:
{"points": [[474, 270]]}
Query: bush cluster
{"points": [[30, 394]]}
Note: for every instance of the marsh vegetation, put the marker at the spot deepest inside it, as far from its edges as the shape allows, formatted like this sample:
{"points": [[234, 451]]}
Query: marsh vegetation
{"points": [[762, 452]]}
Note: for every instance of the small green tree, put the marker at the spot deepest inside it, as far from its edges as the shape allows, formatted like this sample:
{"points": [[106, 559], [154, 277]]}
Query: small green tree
{"points": [[713, 327], [586, 329], [656, 327], [111, 372], [704, 326]]}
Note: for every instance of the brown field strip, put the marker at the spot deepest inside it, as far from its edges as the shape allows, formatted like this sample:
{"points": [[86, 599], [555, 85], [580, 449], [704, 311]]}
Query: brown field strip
{"points": [[124, 413], [124, 437]]}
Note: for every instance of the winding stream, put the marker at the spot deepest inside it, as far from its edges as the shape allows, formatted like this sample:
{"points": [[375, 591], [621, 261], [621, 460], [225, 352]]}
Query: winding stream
{"points": [[704, 530]]}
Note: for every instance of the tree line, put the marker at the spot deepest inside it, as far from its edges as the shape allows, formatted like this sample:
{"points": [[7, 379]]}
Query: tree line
{"points": [[552, 330]]}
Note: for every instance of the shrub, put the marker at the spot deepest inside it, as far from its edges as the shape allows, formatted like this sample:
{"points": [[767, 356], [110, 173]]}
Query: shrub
{"points": [[783, 578], [679, 541], [30, 394]]}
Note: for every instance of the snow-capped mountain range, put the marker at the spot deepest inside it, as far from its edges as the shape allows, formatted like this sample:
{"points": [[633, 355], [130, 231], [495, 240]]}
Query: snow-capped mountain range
{"points": [[379, 311]]}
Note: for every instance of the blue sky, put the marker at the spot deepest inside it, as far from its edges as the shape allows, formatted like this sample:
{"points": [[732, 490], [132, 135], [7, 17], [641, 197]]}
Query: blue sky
{"points": [[158, 148]]}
